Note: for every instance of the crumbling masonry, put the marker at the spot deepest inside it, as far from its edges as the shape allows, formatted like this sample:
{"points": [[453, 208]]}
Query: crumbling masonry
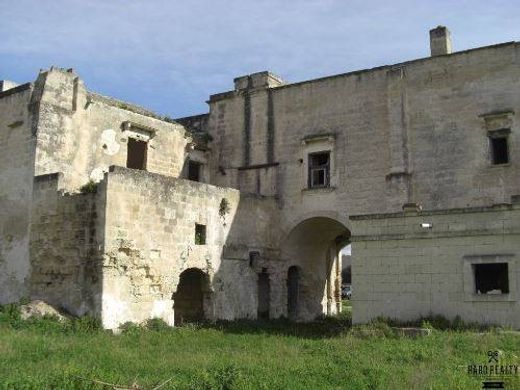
{"points": [[110, 210]]}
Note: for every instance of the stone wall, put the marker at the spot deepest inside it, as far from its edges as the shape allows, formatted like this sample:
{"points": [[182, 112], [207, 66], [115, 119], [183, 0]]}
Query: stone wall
{"points": [[410, 132], [403, 270], [17, 146], [67, 232], [81, 133], [150, 241]]}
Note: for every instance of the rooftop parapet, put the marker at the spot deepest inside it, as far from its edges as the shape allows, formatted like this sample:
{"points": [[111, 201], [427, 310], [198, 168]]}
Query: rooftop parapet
{"points": [[258, 81]]}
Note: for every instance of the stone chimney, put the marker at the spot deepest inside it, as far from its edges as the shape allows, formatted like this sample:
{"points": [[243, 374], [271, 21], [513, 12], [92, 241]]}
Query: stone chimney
{"points": [[440, 41]]}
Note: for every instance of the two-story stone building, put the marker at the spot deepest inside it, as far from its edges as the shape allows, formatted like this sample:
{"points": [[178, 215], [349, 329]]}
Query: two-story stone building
{"points": [[111, 210]]}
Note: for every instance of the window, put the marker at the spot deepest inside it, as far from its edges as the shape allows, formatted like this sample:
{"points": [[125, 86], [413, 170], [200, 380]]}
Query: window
{"points": [[498, 143], [194, 170], [499, 152], [491, 278], [136, 157], [200, 234], [319, 170]]}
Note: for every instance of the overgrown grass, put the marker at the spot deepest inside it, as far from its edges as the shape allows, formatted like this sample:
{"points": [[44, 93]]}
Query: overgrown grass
{"points": [[328, 353]]}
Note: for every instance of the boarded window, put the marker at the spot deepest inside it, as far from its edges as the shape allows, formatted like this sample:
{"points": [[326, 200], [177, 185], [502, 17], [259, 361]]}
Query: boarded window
{"points": [[264, 292], [194, 170], [200, 234], [491, 278], [499, 150], [136, 158], [319, 170]]}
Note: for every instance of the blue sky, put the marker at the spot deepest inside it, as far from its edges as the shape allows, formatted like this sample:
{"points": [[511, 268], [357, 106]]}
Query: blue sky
{"points": [[169, 56]]}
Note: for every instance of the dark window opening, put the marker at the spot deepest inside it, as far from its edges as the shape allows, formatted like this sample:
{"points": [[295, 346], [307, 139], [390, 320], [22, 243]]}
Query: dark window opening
{"points": [[136, 158], [264, 292], [499, 150], [254, 258], [491, 278], [194, 170], [319, 170], [200, 234]]}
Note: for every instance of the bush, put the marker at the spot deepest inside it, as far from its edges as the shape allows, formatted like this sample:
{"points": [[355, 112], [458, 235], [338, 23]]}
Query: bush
{"points": [[89, 188], [157, 324]]}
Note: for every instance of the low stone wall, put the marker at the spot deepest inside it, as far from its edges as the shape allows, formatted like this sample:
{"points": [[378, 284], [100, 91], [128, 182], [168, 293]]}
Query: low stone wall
{"points": [[412, 264]]}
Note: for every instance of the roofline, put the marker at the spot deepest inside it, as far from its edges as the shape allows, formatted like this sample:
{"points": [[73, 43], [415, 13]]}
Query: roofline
{"points": [[18, 88], [224, 95]]}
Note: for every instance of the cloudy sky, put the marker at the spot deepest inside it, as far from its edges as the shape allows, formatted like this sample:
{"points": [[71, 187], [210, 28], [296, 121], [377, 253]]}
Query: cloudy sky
{"points": [[170, 55]]}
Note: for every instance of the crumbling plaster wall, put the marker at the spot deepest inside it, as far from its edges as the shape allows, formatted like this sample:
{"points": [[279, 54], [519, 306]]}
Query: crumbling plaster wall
{"points": [[67, 232], [81, 133], [16, 176], [150, 240], [404, 271]]}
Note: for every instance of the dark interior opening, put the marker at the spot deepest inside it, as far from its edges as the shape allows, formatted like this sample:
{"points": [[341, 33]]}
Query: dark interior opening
{"points": [[319, 169], [491, 277], [293, 286], [194, 170], [200, 234], [189, 297], [136, 157], [499, 150], [264, 292]]}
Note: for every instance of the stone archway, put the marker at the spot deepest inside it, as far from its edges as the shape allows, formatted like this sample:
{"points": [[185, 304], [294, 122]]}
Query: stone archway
{"points": [[313, 247], [189, 296]]}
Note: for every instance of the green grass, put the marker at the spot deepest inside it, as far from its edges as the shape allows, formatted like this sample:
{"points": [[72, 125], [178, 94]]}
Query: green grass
{"points": [[329, 354]]}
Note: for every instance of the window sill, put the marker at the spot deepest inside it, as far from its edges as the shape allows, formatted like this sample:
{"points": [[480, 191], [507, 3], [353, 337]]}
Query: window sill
{"points": [[499, 165], [490, 298], [318, 190]]}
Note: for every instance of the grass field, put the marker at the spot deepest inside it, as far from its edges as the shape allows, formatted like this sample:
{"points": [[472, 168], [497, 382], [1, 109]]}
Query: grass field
{"points": [[329, 353]]}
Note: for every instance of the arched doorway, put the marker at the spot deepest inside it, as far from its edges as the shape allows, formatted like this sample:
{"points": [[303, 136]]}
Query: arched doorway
{"points": [[189, 297], [314, 279], [293, 287]]}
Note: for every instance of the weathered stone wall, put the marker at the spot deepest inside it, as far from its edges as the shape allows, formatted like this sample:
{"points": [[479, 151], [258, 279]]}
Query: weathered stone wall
{"points": [[67, 232], [404, 271], [150, 240], [17, 146], [408, 132], [81, 133]]}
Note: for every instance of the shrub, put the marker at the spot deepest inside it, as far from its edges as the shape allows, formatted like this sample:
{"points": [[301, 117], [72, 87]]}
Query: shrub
{"points": [[157, 324], [89, 188]]}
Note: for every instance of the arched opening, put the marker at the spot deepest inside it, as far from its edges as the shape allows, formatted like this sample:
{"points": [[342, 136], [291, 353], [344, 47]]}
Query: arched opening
{"points": [[189, 297], [314, 278], [293, 286]]}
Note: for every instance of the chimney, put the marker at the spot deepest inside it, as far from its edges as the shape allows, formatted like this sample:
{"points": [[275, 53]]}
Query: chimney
{"points": [[440, 41]]}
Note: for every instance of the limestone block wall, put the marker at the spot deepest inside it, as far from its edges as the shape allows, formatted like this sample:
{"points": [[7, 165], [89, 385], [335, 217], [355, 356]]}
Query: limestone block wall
{"points": [[66, 241], [410, 132], [81, 133], [404, 271], [17, 146], [150, 241]]}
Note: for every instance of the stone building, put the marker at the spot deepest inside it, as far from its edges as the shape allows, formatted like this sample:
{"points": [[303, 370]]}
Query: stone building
{"points": [[110, 210]]}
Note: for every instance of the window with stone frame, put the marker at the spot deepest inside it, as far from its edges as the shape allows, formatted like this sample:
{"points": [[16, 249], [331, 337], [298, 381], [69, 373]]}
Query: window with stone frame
{"points": [[499, 146], [491, 278], [319, 169]]}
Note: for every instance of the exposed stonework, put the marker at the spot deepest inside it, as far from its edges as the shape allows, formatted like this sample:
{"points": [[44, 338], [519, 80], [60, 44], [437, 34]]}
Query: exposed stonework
{"points": [[109, 209]]}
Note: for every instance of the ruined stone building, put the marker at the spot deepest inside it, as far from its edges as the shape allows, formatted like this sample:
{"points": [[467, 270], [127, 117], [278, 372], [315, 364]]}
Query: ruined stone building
{"points": [[110, 210]]}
